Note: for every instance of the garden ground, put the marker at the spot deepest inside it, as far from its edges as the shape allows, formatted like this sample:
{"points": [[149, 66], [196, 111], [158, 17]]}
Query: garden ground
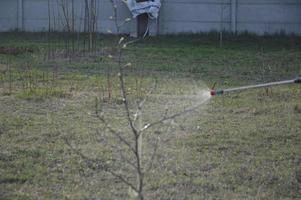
{"points": [[244, 145]]}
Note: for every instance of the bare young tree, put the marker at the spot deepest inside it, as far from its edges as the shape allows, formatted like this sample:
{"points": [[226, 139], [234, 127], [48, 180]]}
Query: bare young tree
{"points": [[130, 137]]}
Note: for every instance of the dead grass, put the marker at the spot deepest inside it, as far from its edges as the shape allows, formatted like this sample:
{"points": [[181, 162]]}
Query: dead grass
{"points": [[240, 146]]}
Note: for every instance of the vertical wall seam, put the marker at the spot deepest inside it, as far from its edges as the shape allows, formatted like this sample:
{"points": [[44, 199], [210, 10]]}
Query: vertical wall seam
{"points": [[234, 16], [20, 17]]}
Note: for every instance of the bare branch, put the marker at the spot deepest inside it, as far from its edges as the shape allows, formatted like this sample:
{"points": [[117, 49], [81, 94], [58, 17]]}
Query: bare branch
{"points": [[120, 46], [89, 161], [99, 164], [130, 42], [123, 179], [65, 13], [124, 22], [165, 118], [127, 160], [124, 96], [114, 5], [151, 161], [141, 103], [115, 133]]}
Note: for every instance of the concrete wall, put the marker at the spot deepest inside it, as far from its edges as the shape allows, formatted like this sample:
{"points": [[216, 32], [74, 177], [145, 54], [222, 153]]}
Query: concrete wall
{"points": [[269, 16], [194, 15], [176, 16], [33, 15], [259, 16], [8, 15]]}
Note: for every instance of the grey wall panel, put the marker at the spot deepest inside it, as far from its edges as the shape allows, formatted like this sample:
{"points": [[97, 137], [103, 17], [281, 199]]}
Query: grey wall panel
{"points": [[8, 9], [8, 24], [269, 2], [191, 2], [272, 13], [35, 25], [105, 12], [176, 16], [35, 9], [35, 15], [8, 15], [190, 27], [270, 28], [198, 12], [269, 16]]}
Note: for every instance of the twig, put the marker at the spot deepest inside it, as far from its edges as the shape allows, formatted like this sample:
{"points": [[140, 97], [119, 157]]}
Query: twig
{"points": [[188, 110], [151, 161], [124, 96], [115, 133], [89, 162], [141, 103], [127, 160]]}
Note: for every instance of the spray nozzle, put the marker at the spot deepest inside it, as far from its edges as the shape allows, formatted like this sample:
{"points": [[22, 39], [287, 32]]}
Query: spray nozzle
{"points": [[298, 80], [214, 92]]}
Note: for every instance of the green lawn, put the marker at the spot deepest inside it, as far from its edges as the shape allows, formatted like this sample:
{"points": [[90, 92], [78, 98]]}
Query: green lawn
{"points": [[243, 145]]}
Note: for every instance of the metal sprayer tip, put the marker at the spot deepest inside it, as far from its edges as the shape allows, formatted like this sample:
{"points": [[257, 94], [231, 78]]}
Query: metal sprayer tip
{"points": [[298, 80], [216, 92]]}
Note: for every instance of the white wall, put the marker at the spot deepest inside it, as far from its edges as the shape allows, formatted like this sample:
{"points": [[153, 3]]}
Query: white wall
{"points": [[176, 16]]}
